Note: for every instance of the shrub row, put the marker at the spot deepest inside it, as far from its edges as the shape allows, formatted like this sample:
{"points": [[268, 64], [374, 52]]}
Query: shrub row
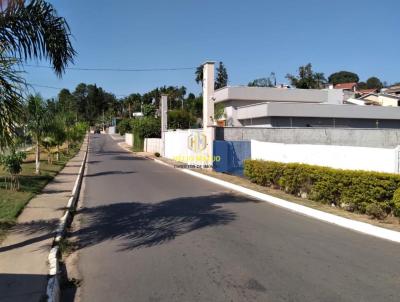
{"points": [[372, 193]]}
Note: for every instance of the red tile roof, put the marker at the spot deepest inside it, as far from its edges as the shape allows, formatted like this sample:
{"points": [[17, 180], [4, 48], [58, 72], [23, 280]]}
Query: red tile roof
{"points": [[367, 91], [345, 86]]}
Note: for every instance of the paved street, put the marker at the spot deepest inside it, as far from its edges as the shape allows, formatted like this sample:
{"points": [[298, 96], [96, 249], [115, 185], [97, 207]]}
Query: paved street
{"points": [[153, 233]]}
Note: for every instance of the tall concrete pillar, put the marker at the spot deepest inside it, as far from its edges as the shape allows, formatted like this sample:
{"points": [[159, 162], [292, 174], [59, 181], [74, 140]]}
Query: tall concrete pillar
{"points": [[208, 107], [208, 91], [164, 120]]}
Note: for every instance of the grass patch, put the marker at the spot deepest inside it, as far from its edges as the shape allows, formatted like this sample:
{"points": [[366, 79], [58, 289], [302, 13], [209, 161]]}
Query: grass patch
{"points": [[66, 247], [12, 203]]}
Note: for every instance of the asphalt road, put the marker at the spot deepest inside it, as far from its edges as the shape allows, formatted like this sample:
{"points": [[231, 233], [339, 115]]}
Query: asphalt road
{"points": [[153, 233]]}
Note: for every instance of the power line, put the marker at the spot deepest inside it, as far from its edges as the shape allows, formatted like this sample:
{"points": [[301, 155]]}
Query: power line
{"points": [[44, 86], [117, 69], [58, 88]]}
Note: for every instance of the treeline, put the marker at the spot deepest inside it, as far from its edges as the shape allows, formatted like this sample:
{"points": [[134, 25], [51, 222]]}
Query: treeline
{"points": [[307, 78]]}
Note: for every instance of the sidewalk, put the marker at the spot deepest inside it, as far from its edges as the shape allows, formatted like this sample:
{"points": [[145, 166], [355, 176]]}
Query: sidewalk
{"points": [[24, 253]]}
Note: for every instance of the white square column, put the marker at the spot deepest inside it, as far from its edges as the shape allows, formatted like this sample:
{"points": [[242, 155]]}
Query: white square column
{"points": [[208, 107], [208, 92], [164, 120]]}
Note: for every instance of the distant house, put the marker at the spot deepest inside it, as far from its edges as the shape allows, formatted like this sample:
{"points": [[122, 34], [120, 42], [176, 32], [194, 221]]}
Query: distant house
{"points": [[347, 86], [363, 92], [381, 99], [392, 90]]}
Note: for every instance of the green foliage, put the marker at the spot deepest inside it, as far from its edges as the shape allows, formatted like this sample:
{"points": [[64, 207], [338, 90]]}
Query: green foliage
{"points": [[149, 110], [11, 99], [157, 154], [33, 30], [124, 126], [306, 78], [12, 164], [199, 75], [28, 30], [396, 202], [222, 76], [264, 82], [180, 119], [219, 111], [374, 83], [37, 117], [343, 77], [147, 127], [361, 191]]}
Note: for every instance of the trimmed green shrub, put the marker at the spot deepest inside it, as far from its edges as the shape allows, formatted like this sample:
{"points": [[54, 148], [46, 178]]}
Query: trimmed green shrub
{"points": [[396, 202], [366, 192]]}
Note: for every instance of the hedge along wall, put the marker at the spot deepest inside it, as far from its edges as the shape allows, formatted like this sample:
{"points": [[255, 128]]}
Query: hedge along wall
{"points": [[338, 157], [372, 193]]}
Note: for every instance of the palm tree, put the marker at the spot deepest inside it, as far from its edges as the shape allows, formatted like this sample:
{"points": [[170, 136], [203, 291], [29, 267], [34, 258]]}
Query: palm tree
{"points": [[37, 124], [320, 79], [28, 30], [11, 85], [199, 75]]}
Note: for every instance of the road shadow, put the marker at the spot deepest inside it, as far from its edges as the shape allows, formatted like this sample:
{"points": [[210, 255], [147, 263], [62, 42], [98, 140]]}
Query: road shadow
{"points": [[144, 224], [129, 157], [109, 173], [22, 288], [44, 229]]}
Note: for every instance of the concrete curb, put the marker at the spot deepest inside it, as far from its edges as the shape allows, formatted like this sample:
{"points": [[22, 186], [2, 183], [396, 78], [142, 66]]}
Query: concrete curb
{"points": [[53, 290], [350, 224]]}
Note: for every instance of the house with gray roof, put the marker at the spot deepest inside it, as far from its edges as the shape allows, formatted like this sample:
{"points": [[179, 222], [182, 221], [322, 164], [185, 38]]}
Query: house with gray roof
{"points": [[277, 107]]}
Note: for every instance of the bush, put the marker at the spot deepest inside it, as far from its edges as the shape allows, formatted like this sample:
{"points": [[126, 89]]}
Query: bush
{"points": [[396, 202], [124, 126], [373, 193], [157, 154]]}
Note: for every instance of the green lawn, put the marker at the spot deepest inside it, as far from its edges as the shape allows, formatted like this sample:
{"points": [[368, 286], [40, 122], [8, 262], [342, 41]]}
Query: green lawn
{"points": [[12, 203]]}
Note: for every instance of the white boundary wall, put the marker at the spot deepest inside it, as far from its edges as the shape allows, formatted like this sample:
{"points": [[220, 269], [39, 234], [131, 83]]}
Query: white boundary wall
{"points": [[177, 148], [342, 157], [129, 139], [153, 145]]}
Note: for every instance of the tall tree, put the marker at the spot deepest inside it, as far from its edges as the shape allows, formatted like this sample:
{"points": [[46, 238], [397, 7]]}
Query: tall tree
{"points": [[28, 30], [343, 77], [222, 76], [374, 83]]}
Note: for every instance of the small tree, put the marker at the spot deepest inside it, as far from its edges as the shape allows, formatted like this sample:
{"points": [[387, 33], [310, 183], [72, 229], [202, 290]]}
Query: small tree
{"points": [[37, 124], [12, 164], [58, 133], [48, 144]]}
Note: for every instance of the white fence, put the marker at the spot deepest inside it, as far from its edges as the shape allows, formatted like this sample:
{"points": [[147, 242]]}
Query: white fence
{"points": [[129, 139], [188, 146], [153, 145], [342, 157]]}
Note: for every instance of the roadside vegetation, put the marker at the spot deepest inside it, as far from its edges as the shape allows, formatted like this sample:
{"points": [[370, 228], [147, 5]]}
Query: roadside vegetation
{"points": [[371, 193], [12, 202]]}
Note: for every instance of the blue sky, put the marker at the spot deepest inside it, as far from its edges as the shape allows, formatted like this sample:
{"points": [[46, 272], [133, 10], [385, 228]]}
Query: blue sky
{"points": [[252, 38]]}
